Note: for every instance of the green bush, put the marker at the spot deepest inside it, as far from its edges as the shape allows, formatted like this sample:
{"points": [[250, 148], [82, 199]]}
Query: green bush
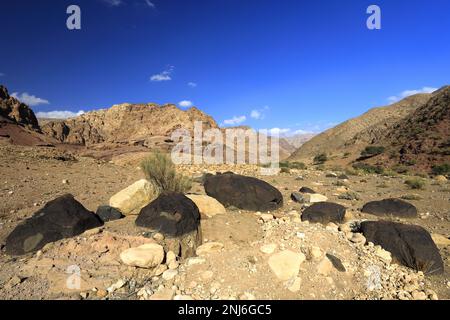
{"points": [[415, 183], [367, 168], [285, 170], [372, 151], [443, 169], [320, 158], [293, 165], [159, 169]]}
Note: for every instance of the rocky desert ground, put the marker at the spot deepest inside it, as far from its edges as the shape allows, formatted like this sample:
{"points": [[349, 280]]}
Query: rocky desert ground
{"points": [[242, 254], [93, 208]]}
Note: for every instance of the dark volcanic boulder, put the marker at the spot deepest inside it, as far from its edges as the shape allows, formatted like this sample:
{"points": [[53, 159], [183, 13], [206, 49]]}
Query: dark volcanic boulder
{"points": [[107, 213], [410, 245], [391, 207], [324, 212], [61, 218], [243, 192], [172, 214], [176, 217], [307, 190]]}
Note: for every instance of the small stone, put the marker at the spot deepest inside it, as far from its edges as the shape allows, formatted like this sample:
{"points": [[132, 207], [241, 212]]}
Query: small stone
{"points": [[101, 293], [92, 232], [294, 285], [159, 270], [209, 247], [163, 294], [419, 295], [286, 264], [358, 238], [84, 295], [173, 265], [119, 284], [384, 255], [195, 260], [170, 257], [158, 237], [65, 181], [266, 217], [146, 256], [315, 253], [268, 248], [247, 296], [324, 267], [169, 274]]}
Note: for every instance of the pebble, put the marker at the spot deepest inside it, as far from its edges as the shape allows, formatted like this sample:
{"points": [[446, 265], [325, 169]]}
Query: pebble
{"points": [[268, 248], [266, 217], [169, 274]]}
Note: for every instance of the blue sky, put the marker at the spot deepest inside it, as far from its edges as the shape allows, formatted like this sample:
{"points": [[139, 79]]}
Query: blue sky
{"points": [[293, 65]]}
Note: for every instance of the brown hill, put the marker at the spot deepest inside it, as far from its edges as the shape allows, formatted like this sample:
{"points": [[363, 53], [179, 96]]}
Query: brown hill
{"points": [[422, 139], [344, 143], [126, 124], [18, 123]]}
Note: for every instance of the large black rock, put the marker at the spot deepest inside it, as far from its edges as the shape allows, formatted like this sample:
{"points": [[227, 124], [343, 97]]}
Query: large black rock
{"points": [[409, 245], [172, 214], [391, 207], [61, 218], [324, 212], [243, 192], [107, 213]]}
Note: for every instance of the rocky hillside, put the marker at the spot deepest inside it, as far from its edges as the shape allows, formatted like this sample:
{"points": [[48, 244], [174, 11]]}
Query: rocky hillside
{"points": [[18, 123], [126, 124], [420, 140], [348, 139], [13, 111]]}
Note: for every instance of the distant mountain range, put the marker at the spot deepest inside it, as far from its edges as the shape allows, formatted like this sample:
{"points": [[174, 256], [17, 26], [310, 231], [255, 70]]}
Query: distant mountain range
{"points": [[412, 132]]}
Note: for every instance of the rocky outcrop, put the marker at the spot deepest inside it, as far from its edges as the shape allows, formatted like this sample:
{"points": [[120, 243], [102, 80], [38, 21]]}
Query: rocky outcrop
{"points": [[13, 110], [129, 124]]}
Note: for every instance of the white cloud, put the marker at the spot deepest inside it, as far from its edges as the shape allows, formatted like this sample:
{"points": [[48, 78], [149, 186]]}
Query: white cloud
{"points": [[59, 114], [150, 4], [259, 114], [29, 99], [163, 76], [192, 84], [279, 131], [408, 93], [256, 114], [235, 120], [185, 104], [113, 3], [301, 131]]}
